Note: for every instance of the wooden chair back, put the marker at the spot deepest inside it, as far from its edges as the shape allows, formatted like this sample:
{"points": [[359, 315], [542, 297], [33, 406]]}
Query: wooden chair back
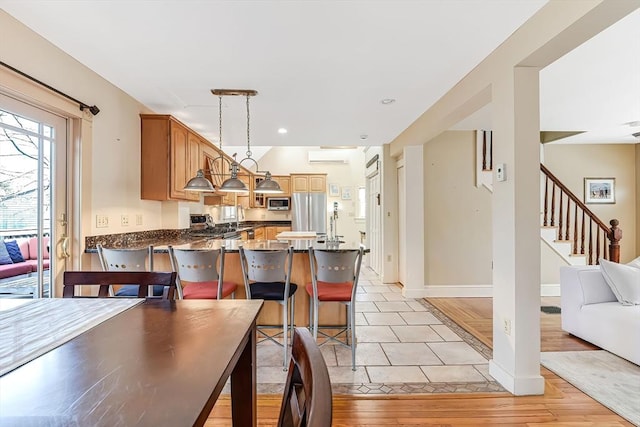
{"points": [[104, 279], [307, 399]]}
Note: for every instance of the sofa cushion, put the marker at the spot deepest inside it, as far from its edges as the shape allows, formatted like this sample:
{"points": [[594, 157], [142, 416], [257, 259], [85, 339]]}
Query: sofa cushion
{"points": [[33, 264], [623, 280], [23, 244], [5, 258], [10, 270], [14, 251], [635, 263], [594, 289], [33, 247]]}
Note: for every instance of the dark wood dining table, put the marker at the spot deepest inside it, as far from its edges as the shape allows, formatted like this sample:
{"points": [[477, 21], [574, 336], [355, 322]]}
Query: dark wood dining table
{"points": [[160, 363]]}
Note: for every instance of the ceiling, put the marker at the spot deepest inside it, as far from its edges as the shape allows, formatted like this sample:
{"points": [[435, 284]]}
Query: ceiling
{"points": [[322, 68]]}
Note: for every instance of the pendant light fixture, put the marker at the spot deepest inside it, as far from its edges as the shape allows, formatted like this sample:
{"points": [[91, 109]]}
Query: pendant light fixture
{"points": [[233, 184], [267, 185]]}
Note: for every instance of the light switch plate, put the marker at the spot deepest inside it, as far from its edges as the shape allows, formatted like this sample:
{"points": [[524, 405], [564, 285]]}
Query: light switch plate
{"points": [[501, 172], [102, 221]]}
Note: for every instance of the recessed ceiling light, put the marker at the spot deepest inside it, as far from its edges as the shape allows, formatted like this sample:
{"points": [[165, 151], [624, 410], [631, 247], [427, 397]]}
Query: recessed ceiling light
{"points": [[633, 124], [364, 136], [387, 101], [282, 131]]}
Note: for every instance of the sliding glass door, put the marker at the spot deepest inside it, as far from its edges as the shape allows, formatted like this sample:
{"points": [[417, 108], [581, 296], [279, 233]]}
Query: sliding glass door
{"points": [[33, 201]]}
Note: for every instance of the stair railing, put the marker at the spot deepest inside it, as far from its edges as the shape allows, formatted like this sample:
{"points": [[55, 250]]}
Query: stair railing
{"points": [[575, 221], [577, 224]]}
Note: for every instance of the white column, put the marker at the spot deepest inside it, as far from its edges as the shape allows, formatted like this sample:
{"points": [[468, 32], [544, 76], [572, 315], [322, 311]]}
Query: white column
{"points": [[516, 233], [414, 240]]}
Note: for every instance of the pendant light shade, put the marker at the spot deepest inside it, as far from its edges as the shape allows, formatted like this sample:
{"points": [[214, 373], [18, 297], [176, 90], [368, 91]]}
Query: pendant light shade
{"points": [[233, 184], [199, 183], [268, 186]]}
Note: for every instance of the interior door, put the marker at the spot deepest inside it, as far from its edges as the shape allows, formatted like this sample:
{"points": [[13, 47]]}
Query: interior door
{"points": [[33, 182], [402, 223], [374, 226]]}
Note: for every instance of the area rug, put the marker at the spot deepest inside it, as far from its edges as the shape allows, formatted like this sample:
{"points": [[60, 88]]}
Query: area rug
{"points": [[607, 378], [550, 309]]}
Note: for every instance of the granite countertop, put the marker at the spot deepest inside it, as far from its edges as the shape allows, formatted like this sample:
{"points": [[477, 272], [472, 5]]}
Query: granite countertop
{"points": [[164, 238], [162, 245], [188, 239]]}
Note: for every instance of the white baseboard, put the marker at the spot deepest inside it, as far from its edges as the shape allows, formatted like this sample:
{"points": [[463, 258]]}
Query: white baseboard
{"points": [[460, 291], [519, 386], [550, 290], [469, 291]]}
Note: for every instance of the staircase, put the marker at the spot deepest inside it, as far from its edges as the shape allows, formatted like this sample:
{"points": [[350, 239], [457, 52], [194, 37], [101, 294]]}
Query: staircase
{"points": [[567, 226]]}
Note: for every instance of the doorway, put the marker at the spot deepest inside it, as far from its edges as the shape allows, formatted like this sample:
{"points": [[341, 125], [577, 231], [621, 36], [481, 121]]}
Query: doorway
{"points": [[33, 196]]}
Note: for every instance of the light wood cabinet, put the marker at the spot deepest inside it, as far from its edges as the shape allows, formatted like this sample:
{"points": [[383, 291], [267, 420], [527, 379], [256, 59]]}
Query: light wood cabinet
{"points": [[308, 183], [273, 231], [258, 233], [259, 200], [170, 156], [285, 184]]}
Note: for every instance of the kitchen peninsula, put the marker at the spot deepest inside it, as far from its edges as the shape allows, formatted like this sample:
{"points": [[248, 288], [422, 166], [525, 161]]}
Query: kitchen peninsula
{"points": [[331, 314]]}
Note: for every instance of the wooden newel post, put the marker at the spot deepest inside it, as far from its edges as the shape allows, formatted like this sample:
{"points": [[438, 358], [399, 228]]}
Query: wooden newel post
{"points": [[615, 234]]}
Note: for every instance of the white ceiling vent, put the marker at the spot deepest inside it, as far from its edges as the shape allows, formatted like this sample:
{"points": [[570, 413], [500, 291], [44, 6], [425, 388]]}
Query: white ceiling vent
{"points": [[328, 156]]}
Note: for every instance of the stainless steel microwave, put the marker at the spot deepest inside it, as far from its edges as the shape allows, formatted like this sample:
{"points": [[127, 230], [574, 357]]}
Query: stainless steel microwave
{"points": [[278, 203]]}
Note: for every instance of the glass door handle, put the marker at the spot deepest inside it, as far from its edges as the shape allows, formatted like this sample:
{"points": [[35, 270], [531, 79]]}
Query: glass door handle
{"points": [[64, 247]]}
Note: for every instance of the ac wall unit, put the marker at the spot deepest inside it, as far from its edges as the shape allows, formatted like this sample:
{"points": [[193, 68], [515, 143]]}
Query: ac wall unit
{"points": [[327, 156]]}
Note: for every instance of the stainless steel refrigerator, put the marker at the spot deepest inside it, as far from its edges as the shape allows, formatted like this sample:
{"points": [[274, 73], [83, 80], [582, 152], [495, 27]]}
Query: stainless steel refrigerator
{"points": [[309, 212]]}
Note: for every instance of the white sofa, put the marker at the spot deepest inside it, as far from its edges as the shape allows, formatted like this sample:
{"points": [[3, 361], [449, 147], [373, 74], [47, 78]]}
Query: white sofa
{"points": [[591, 311]]}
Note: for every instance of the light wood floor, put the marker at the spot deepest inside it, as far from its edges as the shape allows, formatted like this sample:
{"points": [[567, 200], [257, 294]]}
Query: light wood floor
{"points": [[561, 405]]}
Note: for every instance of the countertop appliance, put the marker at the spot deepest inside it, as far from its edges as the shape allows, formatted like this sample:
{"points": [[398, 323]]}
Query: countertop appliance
{"points": [[278, 203], [309, 212], [200, 221], [202, 226]]}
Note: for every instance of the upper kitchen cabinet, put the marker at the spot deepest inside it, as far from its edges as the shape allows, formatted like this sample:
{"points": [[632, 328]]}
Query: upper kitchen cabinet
{"points": [[170, 157], [285, 184], [308, 183], [259, 200]]}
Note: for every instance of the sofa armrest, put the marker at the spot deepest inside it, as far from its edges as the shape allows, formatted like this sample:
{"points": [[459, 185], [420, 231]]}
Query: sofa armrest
{"points": [[582, 285]]}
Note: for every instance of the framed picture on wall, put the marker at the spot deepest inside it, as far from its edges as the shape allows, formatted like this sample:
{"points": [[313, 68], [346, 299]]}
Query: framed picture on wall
{"points": [[346, 193], [334, 190], [599, 190]]}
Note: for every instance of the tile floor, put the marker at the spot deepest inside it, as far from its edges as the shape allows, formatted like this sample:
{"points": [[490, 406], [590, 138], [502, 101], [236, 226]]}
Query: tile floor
{"points": [[404, 346]]}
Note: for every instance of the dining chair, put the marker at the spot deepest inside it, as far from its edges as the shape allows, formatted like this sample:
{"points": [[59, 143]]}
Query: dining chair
{"points": [[105, 279], [128, 260], [267, 276], [307, 398], [334, 278], [199, 276]]}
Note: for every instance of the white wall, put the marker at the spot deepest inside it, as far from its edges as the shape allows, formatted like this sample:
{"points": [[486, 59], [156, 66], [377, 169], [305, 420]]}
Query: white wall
{"points": [[457, 217], [115, 163]]}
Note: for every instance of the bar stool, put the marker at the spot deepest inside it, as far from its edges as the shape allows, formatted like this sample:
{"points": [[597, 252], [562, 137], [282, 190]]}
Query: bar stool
{"points": [[334, 278], [128, 260], [199, 276], [267, 276]]}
